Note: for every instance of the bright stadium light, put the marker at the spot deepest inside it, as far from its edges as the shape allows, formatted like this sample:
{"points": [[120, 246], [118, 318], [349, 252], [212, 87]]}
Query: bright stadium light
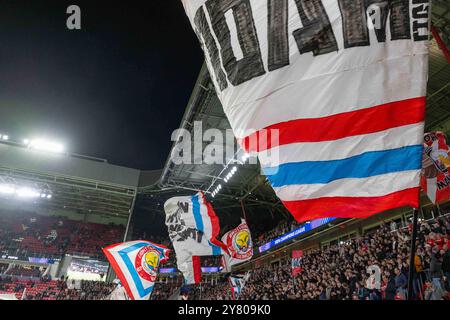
{"points": [[26, 142], [27, 193], [49, 196], [44, 145], [7, 189], [5, 137]]}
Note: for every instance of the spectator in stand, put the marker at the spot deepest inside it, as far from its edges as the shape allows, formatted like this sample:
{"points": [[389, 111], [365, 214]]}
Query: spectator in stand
{"points": [[401, 284], [446, 266], [436, 273]]}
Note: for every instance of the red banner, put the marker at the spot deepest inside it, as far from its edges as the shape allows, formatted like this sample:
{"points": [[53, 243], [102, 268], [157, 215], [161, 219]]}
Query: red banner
{"points": [[297, 256], [435, 180]]}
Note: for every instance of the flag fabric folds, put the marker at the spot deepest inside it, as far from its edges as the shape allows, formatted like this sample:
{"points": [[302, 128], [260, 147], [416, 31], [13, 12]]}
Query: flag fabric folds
{"points": [[193, 229], [297, 256], [237, 283], [330, 95], [239, 244], [136, 264], [435, 167]]}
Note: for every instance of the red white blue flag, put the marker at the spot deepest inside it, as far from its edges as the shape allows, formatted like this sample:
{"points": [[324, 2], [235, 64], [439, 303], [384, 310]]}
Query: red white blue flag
{"points": [[297, 256], [330, 95], [193, 229], [136, 264], [436, 167]]}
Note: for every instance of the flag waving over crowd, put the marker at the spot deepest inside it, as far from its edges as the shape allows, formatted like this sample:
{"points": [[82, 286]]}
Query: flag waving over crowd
{"points": [[297, 256], [193, 229], [329, 94], [136, 264], [239, 244], [436, 164], [237, 283]]}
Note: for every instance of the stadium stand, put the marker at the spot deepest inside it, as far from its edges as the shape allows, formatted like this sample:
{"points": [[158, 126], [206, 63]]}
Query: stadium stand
{"points": [[29, 235], [338, 272]]}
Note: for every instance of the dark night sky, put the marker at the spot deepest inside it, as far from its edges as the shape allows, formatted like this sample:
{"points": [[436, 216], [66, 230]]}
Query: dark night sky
{"points": [[115, 89]]}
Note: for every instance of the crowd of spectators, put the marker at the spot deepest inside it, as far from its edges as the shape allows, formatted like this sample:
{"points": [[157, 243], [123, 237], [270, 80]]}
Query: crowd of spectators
{"points": [[46, 289], [373, 267]]}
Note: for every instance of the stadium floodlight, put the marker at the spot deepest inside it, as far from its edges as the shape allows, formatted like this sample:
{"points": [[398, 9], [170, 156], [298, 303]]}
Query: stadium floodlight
{"points": [[7, 189], [49, 196], [27, 193], [44, 145], [5, 137], [26, 141]]}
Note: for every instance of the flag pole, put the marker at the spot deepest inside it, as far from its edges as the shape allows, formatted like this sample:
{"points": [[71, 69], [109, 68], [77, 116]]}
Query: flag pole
{"points": [[243, 210], [413, 253]]}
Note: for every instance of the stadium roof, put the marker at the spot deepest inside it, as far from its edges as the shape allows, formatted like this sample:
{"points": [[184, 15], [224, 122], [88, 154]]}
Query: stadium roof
{"points": [[77, 184], [249, 185]]}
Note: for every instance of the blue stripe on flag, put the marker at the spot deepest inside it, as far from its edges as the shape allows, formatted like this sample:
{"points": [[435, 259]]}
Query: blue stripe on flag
{"points": [[364, 165], [197, 214], [132, 269], [216, 251]]}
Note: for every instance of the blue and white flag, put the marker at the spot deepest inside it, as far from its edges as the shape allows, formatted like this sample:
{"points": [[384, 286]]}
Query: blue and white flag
{"points": [[193, 229], [136, 264], [237, 283]]}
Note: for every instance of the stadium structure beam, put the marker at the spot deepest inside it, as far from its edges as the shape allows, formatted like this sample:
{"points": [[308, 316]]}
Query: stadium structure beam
{"points": [[440, 43]]}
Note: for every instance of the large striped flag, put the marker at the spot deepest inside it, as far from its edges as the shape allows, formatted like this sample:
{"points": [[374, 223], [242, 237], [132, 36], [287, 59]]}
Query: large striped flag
{"points": [[136, 264], [329, 94], [193, 229]]}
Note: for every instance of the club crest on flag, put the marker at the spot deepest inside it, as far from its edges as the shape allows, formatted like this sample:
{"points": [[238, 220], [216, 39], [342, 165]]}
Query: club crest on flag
{"points": [[147, 262], [241, 242], [136, 264]]}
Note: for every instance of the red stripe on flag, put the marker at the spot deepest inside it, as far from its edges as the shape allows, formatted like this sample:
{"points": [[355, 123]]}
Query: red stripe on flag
{"points": [[338, 126], [117, 270], [351, 207], [214, 223], [196, 269]]}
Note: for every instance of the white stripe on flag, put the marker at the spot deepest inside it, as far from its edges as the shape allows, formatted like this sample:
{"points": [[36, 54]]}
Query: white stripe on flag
{"points": [[354, 187], [408, 81], [342, 148]]}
